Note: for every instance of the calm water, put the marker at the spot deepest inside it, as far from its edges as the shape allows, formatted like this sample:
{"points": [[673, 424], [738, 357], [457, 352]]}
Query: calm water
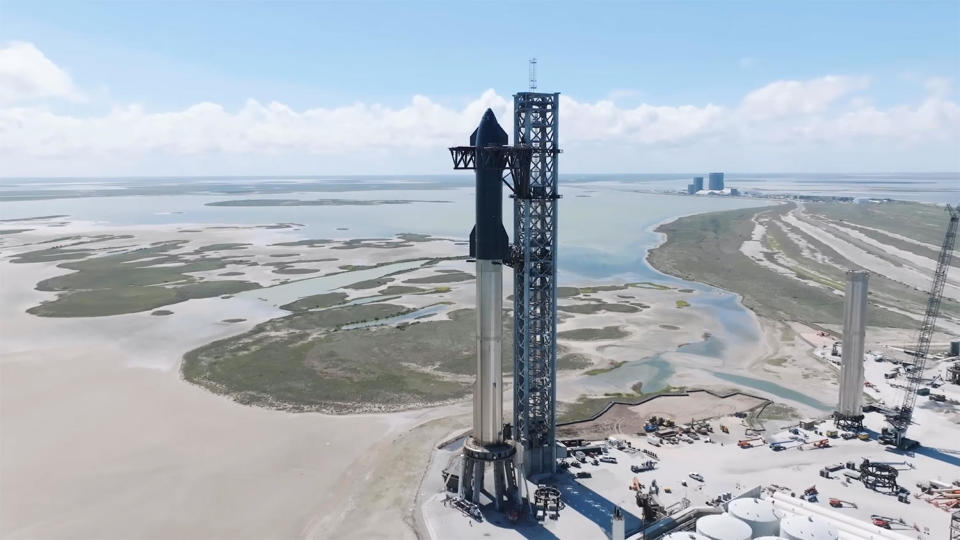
{"points": [[654, 372], [937, 187], [406, 317], [773, 388], [941, 187]]}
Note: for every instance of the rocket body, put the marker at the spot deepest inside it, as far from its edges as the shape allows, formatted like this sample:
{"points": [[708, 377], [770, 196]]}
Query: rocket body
{"points": [[488, 390], [488, 245]]}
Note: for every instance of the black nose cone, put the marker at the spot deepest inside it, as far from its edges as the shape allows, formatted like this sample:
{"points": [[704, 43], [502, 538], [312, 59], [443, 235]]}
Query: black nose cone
{"points": [[489, 132]]}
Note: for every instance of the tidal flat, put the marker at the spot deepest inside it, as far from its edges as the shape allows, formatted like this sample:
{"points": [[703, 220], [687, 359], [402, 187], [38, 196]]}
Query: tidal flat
{"points": [[788, 262], [71, 372], [317, 202], [131, 281]]}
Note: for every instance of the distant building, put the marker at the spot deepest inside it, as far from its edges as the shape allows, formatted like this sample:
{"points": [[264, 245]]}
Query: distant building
{"points": [[691, 189], [716, 181], [735, 192], [697, 183]]}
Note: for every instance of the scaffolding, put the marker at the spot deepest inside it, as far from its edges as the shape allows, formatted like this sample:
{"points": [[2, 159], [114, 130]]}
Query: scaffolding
{"points": [[534, 261], [879, 476]]}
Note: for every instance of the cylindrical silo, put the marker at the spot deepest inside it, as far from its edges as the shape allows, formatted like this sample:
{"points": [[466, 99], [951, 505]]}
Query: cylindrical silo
{"points": [[723, 527], [854, 329], [716, 181], [758, 514], [807, 528], [684, 535], [955, 347]]}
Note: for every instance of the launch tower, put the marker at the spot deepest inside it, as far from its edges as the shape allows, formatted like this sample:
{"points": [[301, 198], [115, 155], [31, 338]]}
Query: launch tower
{"points": [[534, 261]]}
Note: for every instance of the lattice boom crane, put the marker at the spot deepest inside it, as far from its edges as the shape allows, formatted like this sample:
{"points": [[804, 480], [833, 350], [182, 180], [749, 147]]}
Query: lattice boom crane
{"points": [[900, 420]]}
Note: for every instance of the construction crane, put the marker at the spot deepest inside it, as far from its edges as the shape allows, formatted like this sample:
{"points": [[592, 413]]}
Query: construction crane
{"points": [[900, 419]]}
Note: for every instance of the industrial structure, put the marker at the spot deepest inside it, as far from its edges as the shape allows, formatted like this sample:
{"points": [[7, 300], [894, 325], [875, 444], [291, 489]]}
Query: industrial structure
{"points": [[716, 181], [489, 444], [899, 420], [499, 460], [849, 414], [714, 187], [534, 260], [953, 372], [532, 166]]}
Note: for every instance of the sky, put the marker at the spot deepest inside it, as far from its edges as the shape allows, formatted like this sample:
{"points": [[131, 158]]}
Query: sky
{"points": [[136, 88]]}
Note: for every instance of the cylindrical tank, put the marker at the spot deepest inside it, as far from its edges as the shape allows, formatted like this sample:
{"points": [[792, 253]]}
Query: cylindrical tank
{"points": [[684, 535], [768, 538], [955, 347], [488, 389], [854, 328], [758, 514], [807, 528], [716, 181], [723, 527]]}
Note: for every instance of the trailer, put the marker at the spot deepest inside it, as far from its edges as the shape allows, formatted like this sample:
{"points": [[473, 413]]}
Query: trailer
{"points": [[748, 443], [648, 465]]}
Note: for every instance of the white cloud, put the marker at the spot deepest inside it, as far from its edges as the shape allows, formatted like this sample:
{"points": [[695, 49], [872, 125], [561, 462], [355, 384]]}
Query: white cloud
{"points": [[785, 98], [938, 86], [27, 74], [775, 127], [644, 124]]}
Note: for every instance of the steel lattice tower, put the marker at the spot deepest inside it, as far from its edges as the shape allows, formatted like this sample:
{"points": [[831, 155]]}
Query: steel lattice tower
{"points": [[534, 260]]}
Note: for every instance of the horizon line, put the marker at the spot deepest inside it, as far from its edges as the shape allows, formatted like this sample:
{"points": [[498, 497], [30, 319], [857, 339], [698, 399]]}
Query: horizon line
{"points": [[451, 173]]}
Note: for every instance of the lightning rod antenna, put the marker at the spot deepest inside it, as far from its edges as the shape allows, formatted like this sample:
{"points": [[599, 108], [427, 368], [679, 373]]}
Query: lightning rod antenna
{"points": [[533, 74]]}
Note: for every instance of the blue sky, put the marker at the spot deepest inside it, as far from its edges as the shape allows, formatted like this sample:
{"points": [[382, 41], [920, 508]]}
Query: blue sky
{"points": [[650, 60]]}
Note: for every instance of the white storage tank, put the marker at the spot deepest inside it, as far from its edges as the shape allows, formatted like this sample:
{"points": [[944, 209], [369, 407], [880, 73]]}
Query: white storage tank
{"points": [[768, 538], [723, 527], [684, 535], [758, 514], [807, 528]]}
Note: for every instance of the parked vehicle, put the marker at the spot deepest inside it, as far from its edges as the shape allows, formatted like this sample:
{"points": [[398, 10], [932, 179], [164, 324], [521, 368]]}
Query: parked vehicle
{"points": [[646, 466], [696, 476]]}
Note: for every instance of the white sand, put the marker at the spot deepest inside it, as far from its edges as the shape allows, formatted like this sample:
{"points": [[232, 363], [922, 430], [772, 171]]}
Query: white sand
{"points": [[911, 275], [96, 446]]}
